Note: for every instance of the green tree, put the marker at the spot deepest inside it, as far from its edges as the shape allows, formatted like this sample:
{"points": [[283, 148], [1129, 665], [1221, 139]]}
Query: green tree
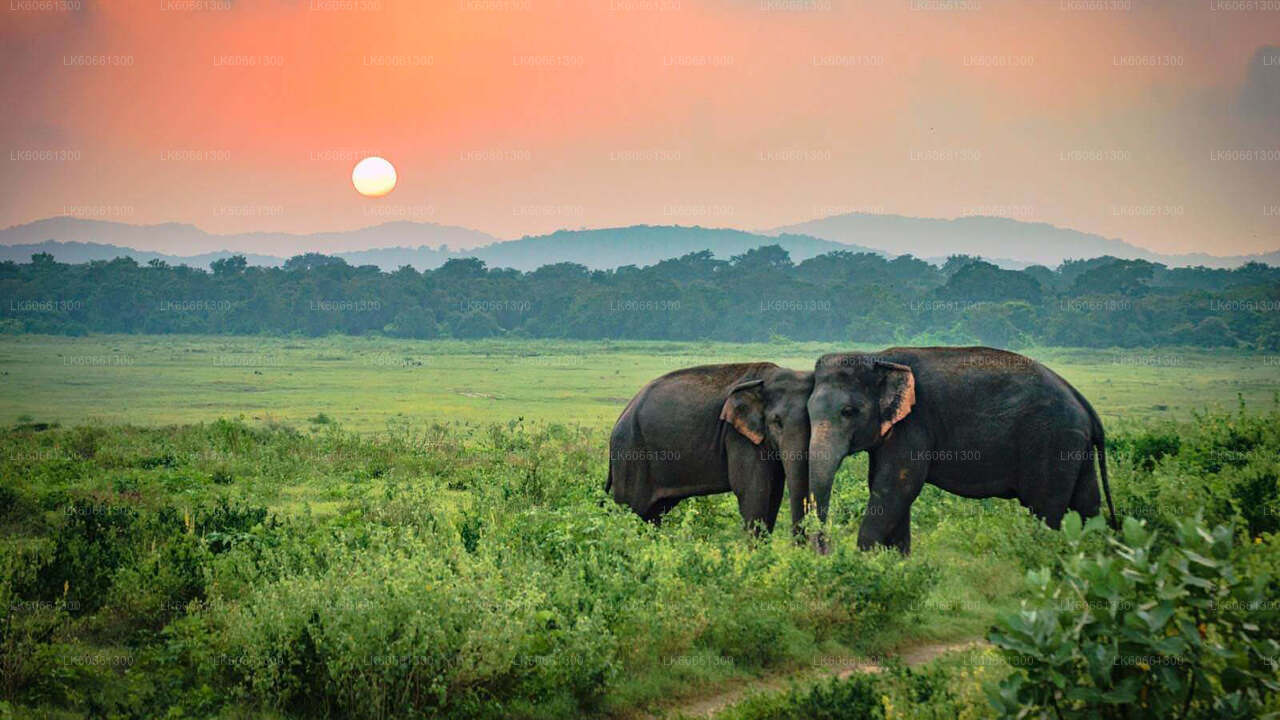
{"points": [[233, 265]]}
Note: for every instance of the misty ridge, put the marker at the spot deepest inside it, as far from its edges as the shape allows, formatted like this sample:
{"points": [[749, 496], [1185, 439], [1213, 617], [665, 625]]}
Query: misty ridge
{"points": [[1008, 243]]}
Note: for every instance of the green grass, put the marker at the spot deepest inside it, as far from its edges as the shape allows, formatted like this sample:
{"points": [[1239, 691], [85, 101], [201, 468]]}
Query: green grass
{"points": [[488, 563], [413, 511], [363, 383]]}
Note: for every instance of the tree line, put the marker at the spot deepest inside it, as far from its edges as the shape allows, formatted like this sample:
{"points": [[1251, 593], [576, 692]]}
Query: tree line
{"points": [[759, 295]]}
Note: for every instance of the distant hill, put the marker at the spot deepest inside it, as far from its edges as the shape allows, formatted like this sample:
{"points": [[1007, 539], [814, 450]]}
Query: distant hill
{"points": [[1010, 242], [65, 239], [644, 245], [82, 252], [176, 240]]}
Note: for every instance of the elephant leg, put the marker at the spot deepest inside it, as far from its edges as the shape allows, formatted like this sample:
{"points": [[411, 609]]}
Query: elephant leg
{"points": [[1049, 475], [798, 496], [900, 537], [1086, 499], [755, 503], [658, 510], [751, 477], [896, 475], [775, 498]]}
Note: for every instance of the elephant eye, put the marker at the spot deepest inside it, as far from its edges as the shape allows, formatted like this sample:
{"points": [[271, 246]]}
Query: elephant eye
{"points": [[848, 411], [776, 420]]}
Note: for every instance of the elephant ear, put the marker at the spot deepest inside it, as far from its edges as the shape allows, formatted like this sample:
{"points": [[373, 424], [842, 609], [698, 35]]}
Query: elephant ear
{"points": [[897, 396], [744, 409]]}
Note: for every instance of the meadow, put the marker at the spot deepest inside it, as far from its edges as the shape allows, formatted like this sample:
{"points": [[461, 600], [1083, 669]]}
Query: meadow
{"points": [[246, 527], [364, 383]]}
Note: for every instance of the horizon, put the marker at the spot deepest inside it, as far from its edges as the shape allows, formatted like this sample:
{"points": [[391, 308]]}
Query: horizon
{"points": [[777, 235], [1158, 126]]}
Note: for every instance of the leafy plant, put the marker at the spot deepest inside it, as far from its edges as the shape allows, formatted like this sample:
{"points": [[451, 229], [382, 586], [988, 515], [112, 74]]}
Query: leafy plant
{"points": [[1176, 633], [856, 697]]}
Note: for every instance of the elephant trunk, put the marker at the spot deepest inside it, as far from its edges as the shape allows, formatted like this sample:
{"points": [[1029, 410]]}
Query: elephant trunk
{"points": [[824, 460], [795, 466]]}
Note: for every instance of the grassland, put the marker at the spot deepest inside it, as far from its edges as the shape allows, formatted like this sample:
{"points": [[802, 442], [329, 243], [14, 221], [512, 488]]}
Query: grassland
{"points": [[363, 383], [423, 552]]}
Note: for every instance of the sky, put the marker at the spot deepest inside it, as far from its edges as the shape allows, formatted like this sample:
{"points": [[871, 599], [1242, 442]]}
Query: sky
{"points": [[1154, 122]]}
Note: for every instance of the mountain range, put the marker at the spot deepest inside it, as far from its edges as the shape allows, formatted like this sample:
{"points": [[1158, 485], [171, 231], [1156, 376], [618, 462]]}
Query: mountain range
{"points": [[1002, 240], [1009, 243]]}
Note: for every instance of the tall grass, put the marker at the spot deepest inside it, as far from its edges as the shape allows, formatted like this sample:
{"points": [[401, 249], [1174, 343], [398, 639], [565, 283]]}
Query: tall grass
{"points": [[237, 569]]}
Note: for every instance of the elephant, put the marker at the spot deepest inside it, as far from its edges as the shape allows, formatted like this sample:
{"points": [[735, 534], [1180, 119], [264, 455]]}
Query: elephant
{"points": [[974, 421], [712, 429]]}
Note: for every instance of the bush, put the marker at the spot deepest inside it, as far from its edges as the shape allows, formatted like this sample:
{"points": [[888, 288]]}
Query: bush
{"points": [[856, 697], [1175, 633], [1225, 465], [401, 628], [1148, 447], [26, 626], [93, 540], [481, 572]]}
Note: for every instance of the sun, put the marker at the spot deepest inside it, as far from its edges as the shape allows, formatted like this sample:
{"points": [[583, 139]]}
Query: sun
{"points": [[373, 177]]}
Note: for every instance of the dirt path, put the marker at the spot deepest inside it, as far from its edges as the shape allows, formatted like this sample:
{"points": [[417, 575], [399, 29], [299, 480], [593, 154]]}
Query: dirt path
{"points": [[842, 667]]}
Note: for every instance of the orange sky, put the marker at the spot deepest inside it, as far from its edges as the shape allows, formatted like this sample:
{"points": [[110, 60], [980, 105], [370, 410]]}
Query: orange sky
{"points": [[523, 116]]}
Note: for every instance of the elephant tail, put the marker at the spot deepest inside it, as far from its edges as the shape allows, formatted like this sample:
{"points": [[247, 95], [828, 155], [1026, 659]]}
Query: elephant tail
{"points": [[1099, 444]]}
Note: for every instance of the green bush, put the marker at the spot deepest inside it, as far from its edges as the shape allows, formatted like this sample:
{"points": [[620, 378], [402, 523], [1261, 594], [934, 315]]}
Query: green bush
{"points": [[462, 571], [160, 584], [27, 625], [856, 697], [399, 627], [1172, 633], [1226, 466], [91, 542], [1147, 447], [944, 689]]}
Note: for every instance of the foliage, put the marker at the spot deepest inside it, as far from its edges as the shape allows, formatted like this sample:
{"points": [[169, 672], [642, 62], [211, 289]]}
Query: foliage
{"points": [[856, 697], [754, 296], [456, 575], [947, 688], [1180, 632], [1224, 465], [241, 569]]}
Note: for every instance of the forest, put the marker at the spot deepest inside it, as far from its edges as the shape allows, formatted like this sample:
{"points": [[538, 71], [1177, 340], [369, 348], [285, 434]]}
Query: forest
{"points": [[760, 295]]}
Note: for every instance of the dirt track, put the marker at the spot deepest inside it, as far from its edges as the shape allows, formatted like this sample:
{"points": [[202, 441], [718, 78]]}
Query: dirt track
{"points": [[707, 705]]}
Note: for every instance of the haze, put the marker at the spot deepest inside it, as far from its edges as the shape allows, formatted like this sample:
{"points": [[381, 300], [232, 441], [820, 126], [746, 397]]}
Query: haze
{"points": [[1158, 123]]}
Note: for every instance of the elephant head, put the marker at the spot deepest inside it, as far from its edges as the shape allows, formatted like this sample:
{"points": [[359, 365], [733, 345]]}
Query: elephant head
{"points": [[855, 403], [771, 412]]}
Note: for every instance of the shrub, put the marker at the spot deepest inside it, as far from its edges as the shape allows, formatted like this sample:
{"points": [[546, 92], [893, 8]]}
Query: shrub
{"points": [[26, 626], [856, 697], [1173, 633], [1225, 465], [161, 584], [866, 593], [93, 540], [399, 629], [480, 571], [1148, 447]]}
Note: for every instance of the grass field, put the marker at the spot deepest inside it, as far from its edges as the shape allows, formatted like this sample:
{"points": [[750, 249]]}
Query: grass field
{"points": [[363, 383], [423, 553]]}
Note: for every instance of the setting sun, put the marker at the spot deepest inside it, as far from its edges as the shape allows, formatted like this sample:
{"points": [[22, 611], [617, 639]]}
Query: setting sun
{"points": [[374, 177]]}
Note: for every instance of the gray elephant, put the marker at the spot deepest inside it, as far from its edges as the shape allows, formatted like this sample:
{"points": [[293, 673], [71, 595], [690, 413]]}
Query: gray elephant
{"points": [[977, 422], [712, 429]]}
